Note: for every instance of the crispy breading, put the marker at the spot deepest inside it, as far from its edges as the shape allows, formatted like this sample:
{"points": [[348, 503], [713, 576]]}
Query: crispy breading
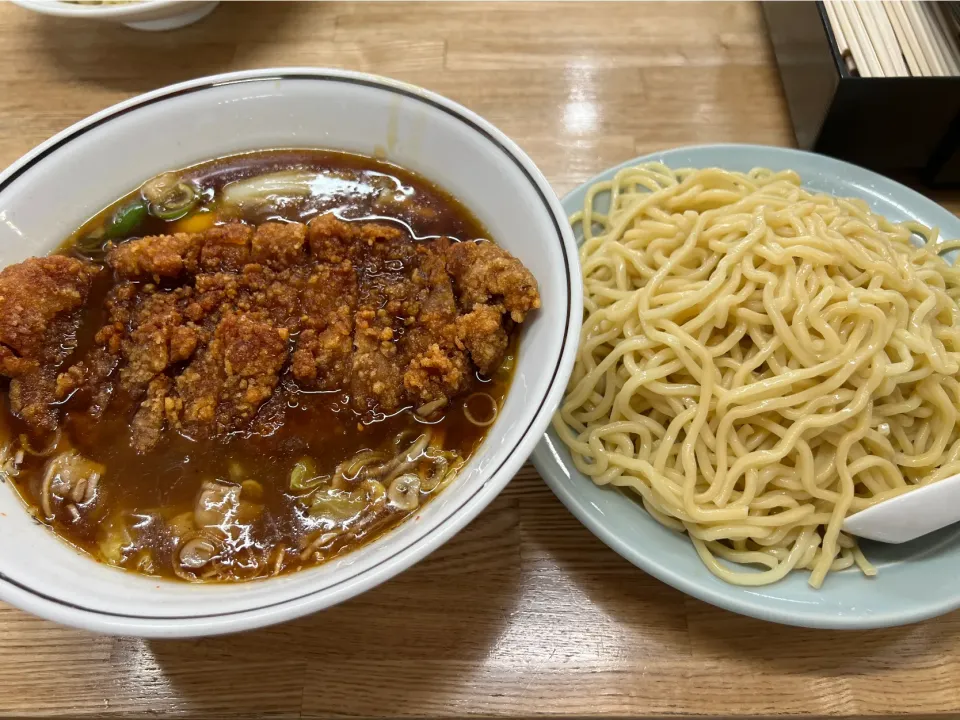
{"points": [[198, 330], [33, 294], [226, 248], [223, 247], [333, 240], [222, 388], [32, 398], [254, 351], [324, 351], [482, 333], [486, 273], [157, 256], [388, 304], [40, 300], [437, 367], [278, 245], [159, 335], [148, 423], [277, 293]]}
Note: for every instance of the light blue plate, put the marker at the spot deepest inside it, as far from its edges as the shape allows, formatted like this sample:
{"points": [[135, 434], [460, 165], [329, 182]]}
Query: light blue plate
{"points": [[915, 581]]}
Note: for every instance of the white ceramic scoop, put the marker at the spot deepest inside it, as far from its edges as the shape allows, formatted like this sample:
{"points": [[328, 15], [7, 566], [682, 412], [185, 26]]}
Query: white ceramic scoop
{"points": [[908, 516]]}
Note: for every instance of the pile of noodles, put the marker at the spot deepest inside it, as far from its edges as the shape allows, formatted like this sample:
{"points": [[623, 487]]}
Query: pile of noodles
{"points": [[758, 362]]}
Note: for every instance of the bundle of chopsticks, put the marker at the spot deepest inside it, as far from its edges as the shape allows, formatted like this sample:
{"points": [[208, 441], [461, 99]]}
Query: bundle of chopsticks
{"points": [[908, 38]]}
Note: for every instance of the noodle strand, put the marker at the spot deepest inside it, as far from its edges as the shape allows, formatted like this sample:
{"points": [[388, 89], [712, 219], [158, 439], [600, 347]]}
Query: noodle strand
{"points": [[758, 361]]}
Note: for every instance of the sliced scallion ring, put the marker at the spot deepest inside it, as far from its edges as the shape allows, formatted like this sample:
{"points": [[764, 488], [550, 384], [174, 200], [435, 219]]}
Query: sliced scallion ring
{"points": [[181, 199], [169, 197]]}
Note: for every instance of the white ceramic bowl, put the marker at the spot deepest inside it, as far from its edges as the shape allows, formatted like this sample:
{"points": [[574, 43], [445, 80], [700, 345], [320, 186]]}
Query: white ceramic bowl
{"points": [[140, 15], [57, 186]]}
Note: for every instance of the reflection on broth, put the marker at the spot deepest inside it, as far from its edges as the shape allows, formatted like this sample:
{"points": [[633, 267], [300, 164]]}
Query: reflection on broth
{"points": [[252, 365]]}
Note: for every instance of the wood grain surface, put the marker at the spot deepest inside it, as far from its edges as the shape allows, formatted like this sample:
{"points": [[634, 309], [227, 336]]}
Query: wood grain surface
{"points": [[524, 613]]}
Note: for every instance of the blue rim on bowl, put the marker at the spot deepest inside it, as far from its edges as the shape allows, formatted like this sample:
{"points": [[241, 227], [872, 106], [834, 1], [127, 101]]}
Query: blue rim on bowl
{"points": [[916, 581]]}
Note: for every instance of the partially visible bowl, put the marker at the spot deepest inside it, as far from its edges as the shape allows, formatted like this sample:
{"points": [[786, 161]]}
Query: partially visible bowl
{"points": [[60, 184], [138, 14]]}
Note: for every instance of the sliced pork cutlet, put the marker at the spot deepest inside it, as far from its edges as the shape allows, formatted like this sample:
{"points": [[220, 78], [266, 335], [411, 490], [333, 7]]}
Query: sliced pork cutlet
{"points": [[167, 257], [333, 240], [437, 367], [160, 336], [222, 388], [279, 246], [40, 303], [486, 274], [387, 306], [323, 358], [157, 257], [494, 291], [91, 380], [226, 248]]}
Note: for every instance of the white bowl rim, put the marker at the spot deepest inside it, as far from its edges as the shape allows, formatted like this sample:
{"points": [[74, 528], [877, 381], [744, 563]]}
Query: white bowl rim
{"points": [[59, 8], [141, 625]]}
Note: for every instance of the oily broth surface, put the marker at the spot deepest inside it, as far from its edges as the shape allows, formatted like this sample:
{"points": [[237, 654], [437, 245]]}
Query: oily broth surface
{"points": [[355, 184], [145, 491]]}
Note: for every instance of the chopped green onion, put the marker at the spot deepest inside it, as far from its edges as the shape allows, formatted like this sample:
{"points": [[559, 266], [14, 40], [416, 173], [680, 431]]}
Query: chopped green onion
{"points": [[93, 245], [336, 506], [304, 475], [156, 189], [168, 197], [126, 220], [178, 201]]}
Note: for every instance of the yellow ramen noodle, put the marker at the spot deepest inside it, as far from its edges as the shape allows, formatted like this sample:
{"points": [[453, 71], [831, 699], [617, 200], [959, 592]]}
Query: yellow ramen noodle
{"points": [[758, 362]]}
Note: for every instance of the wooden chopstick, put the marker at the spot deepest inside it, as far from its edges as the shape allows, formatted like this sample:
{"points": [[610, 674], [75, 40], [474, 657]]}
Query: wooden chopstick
{"points": [[842, 45], [947, 40], [936, 40], [895, 38], [906, 43], [863, 54], [877, 40], [924, 36], [889, 37], [908, 29]]}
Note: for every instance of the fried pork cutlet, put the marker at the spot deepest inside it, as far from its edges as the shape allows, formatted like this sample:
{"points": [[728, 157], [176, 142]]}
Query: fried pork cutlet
{"points": [[40, 302], [486, 274], [199, 328], [438, 368], [495, 290]]}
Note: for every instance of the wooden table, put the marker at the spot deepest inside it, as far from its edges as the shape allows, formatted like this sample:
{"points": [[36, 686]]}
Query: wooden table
{"points": [[525, 612]]}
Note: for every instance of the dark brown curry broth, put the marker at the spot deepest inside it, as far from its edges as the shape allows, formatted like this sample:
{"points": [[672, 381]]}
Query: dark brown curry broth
{"points": [[165, 482]]}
